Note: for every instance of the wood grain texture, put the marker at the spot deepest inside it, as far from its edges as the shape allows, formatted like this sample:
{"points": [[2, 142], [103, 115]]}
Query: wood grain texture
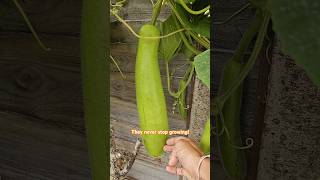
{"points": [[48, 17], [41, 120], [42, 131], [139, 170], [44, 85], [32, 150]]}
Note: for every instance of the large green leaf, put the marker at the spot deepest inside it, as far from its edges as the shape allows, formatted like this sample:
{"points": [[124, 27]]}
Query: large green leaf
{"points": [[297, 24], [202, 66], [168, 45]]}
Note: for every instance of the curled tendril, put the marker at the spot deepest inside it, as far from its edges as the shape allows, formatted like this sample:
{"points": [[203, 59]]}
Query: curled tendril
{"points": [[249, 141], [249, 144]]}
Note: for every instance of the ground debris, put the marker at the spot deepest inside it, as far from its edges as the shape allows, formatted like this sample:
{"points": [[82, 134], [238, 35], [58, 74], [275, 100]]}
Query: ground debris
{"points": [[121, 160]]}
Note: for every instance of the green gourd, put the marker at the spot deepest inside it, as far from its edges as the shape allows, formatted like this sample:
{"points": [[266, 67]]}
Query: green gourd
{"points": [[149, 92], [205, 138], [234, 160]]}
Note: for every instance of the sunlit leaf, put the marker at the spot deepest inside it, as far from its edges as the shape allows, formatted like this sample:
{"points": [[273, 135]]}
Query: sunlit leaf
{"points": [[202, 67]]}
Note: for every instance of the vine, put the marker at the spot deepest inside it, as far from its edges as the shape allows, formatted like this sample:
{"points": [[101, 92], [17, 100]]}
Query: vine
{"points": [[26, 19]]}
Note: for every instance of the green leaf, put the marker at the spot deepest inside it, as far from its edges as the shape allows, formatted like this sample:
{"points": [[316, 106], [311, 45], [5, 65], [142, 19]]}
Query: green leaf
{"points": [[297, 24], [169, 45], [202, 66], [202, 27]]}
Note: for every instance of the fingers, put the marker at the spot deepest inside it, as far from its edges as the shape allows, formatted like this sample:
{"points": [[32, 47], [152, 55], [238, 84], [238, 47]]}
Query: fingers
{"points": [[168, 149], [171, 169], [173, 160], [172, 141], [178, 171], [192, 143]]}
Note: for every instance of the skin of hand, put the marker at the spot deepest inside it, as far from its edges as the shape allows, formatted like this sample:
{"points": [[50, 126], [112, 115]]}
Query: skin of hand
{"points": [[187, 153]]}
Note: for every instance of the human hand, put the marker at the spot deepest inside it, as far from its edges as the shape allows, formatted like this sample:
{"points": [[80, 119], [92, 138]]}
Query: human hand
{"points": [[187, 153]]}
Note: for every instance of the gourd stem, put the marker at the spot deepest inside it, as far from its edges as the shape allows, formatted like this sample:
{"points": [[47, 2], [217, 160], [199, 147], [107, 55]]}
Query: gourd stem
{"points": [[145, 37]]}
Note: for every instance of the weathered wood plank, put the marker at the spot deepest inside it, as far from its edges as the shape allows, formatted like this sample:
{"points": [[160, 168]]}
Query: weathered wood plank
{"points": [[31, 150], [140, 11], [48, 17], [45, 85], [139, 170], [228, 35], [41, 118], [42, 131]]}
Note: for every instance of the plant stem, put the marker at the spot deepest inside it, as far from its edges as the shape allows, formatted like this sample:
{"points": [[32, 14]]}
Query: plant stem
{"points": [[137, 35], [184, 39], [177, 94], [233, 15], [248, 66], [34, 33], [200, 40], [156, 11], [247, 38], [192, 11]]}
